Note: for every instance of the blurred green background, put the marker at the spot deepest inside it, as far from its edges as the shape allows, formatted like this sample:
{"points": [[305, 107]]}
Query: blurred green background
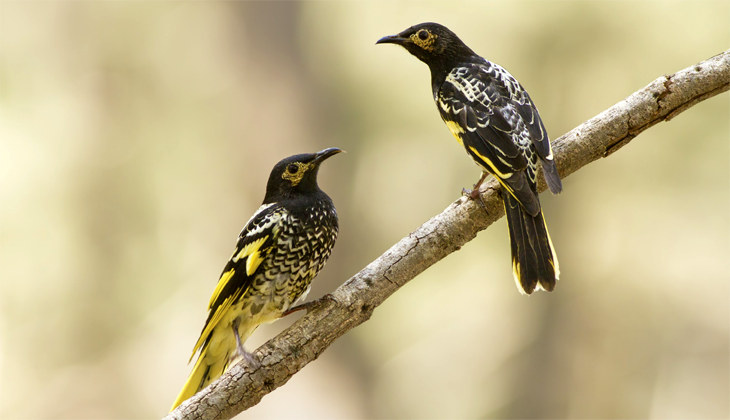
{"points": [[137, 138]]}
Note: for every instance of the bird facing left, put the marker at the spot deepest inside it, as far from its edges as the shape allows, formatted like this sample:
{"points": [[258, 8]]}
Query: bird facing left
{"points": [[279, 252], [494, 119]]}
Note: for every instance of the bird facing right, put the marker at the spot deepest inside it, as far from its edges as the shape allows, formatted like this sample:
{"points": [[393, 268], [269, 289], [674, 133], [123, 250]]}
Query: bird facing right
{"points": [[493, 118], [278, 253]]}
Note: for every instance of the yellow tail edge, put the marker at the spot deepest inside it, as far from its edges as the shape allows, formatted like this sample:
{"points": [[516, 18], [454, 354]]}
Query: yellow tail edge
{"points": [[193, 382]]}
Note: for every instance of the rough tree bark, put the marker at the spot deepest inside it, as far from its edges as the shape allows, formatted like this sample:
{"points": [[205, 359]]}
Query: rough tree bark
{"points": [[354, 302]]}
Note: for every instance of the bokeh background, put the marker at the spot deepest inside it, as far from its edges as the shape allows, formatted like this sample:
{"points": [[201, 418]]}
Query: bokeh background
{"points": [[137, 138]]}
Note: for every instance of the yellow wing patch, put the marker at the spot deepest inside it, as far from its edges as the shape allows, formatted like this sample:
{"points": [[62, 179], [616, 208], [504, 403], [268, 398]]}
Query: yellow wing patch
{"points": [[253, 252], [456, 130], [221, 284], [491, 165], [216, 316]]}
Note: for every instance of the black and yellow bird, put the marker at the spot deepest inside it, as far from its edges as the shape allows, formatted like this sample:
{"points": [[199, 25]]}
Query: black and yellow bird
{"points": [[279, 251], [493, 118]]}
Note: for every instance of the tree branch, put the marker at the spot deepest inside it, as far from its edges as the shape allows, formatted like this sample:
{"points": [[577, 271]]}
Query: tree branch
{"points": [[353, 302]]}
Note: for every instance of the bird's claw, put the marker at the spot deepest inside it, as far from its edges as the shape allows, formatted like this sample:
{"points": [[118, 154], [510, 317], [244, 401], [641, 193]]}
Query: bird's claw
{"points": [[474, 195], [251, 362], [241, 355]]}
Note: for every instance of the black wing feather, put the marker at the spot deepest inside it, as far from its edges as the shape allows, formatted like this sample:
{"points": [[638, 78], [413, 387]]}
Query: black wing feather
{"points": [[499, 125], [484, 128]]}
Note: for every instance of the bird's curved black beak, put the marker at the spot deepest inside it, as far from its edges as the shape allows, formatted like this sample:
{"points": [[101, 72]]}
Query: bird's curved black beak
{"points": [[392, 39], [326, 153]]}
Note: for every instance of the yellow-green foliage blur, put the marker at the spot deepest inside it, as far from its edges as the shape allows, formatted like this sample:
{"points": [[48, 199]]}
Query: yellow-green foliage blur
{"points": [[137, 138]]}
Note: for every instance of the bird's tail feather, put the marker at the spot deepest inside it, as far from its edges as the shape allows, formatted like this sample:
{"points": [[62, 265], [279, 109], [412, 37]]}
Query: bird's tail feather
{"points": [[552, 179], [202, 375], [534, 262]]}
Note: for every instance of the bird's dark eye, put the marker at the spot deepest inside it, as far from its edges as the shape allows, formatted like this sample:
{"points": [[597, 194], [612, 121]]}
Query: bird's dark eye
{"points": [[292, 168], [423, 34]]}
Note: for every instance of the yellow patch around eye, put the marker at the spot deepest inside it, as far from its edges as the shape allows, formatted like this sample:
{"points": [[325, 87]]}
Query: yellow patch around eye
{"points": [[296, 177], [427, 44]]}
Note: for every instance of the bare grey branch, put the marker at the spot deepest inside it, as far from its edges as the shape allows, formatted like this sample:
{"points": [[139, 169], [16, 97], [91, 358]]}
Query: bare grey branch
{"points": [[354, 302]]}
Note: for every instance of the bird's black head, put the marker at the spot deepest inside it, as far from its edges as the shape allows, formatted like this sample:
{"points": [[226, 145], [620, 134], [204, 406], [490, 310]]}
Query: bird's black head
{"points": [[433, 44], [296, 175]]}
